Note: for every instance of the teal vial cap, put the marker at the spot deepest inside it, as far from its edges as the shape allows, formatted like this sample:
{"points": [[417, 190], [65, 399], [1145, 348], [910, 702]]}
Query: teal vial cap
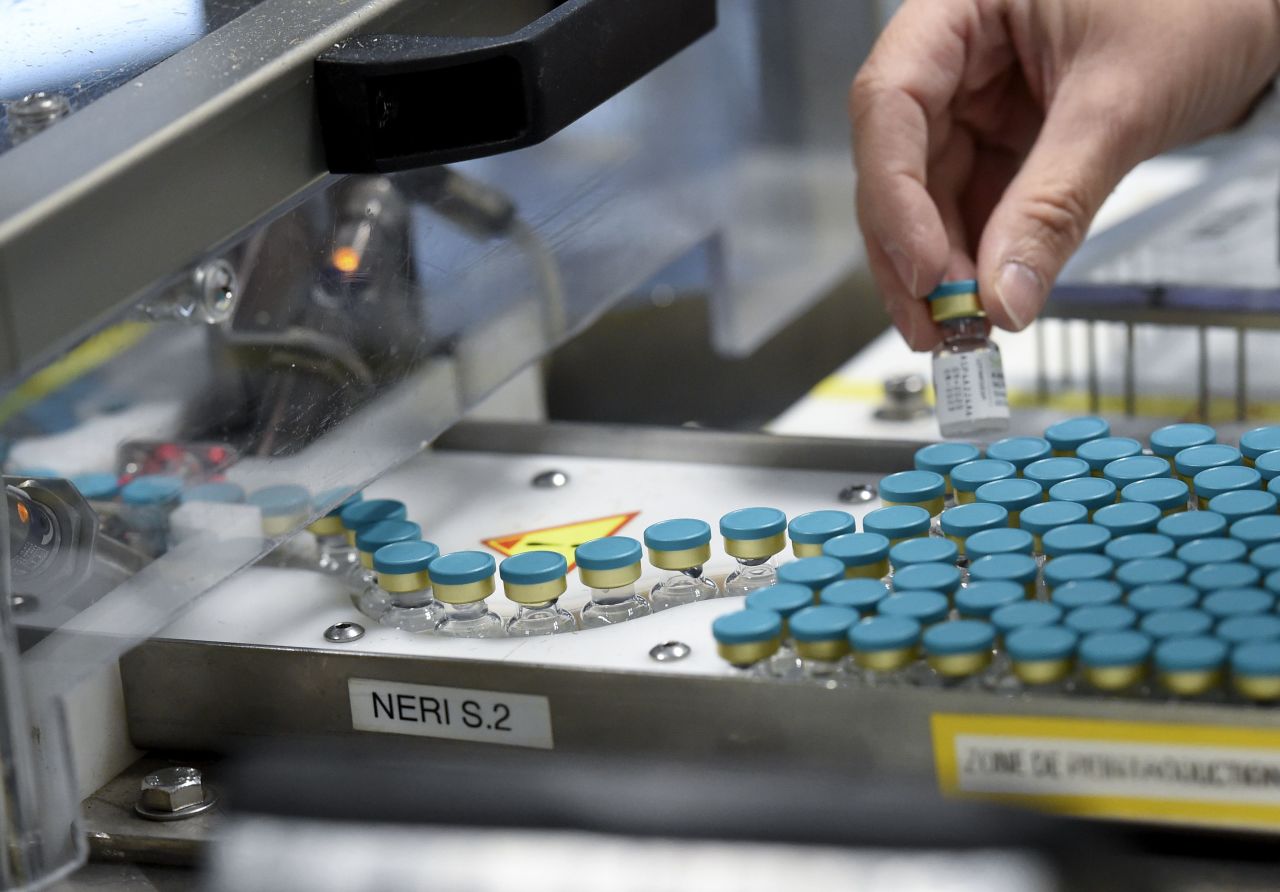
{"points": [[1257, 531], [929, 550], [1040, 519], [928, 577], [1017, 494], [374, 536], [1187, 526], [884, 633], [1229, 478], [1107, 618], [102, 487], [942, 457], [1025, 614], [999, 541], [822, 623], [1239, 504], [1198, 653], [608, 553], [1236, 574], [1163, 596], [897, 521], [371, 511], [1039, 643], [1092, 492], [972, 474], [1048, 471], [923, 607], [1128, 517], [1259, 440], [1192, 461], [814, 573], [151, 489], [1266, 558], [1237, 602], [1211, 550], [223, 492], [747, 524], [817, 527], [954, 287], [1127, 648], [1124, 471], [912, 486], [980, 599], [1171, 439], [1068, 435], [679, 534], [1020, 568], [854, 550], [405, 557], [461, 568], [1020, 451], [533, 568], [338, 497], [1176, 623], [1139, 546], [746, 627], [1076, 538], [862, 595], [1101, 452], [1256, 659], [959, 636], [963, 521], [283, 500], [1150, 571], [1087, 593], [1075, 567], [1268, 464], [1166, 493], [1257, 627], [783, 598]]}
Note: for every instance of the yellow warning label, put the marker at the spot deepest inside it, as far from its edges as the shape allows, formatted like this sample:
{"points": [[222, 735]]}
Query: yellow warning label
{"points": [[563, 539], [1170, 773]]}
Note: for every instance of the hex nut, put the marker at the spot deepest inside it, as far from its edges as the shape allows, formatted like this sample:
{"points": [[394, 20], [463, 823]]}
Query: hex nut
{"points": [[171, 790]]}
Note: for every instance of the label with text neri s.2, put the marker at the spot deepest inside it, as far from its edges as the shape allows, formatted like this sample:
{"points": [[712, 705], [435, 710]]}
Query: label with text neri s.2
{"points": [[392, 707]]}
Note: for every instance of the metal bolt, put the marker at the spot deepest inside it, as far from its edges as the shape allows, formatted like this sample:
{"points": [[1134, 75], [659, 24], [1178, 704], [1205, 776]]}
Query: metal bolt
{"points": [[35, 112], [904, 398], [23, 603], [669, 651], [857, 493], [172, 794], [550, 479], [344, 632], [218, 288]]}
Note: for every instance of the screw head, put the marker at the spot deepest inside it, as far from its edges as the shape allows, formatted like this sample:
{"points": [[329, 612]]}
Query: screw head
{"points": [[343, 632], [550, 479], [170, 794], [857, 493], [669, 651], [218, 287]]}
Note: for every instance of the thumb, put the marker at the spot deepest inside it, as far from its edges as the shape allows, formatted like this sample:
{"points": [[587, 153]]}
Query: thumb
{"points": [[1043, 216]]}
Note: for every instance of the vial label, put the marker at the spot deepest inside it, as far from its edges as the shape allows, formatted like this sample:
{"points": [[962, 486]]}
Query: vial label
{"points": [[452, 713], [969, 389]]}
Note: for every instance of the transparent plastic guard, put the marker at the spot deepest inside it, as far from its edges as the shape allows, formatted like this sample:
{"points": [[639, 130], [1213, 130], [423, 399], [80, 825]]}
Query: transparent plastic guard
{"points": [[335, 340]]}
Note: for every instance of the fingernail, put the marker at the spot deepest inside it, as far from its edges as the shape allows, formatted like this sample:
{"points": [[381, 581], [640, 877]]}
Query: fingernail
{"points": [[905, 269], [1020, 293]]}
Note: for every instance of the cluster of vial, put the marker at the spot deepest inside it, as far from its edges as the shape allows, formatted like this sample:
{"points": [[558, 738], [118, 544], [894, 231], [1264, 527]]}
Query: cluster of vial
{"points": [[1076, 561]]}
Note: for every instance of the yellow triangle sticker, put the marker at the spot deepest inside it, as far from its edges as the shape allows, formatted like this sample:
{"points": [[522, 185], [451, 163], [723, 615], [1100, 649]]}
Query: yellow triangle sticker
{"points": [[563, 539]]}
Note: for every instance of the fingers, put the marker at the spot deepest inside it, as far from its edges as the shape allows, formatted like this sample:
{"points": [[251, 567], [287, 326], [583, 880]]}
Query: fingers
{"points": [[1083, 150]]}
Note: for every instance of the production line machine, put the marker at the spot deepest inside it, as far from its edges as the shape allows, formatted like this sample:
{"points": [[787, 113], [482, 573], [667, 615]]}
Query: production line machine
{"points": [[310, 584]]}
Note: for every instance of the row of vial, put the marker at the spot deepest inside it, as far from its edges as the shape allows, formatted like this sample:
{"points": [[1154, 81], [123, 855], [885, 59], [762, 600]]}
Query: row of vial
{"points": [[1142, 582]]}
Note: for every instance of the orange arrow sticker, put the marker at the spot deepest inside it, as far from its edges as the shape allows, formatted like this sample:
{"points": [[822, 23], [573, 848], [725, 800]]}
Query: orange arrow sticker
{"points": [[562, 539]]}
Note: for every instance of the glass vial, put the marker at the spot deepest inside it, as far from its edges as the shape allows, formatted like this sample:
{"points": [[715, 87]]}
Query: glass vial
{"points": [[610, 567], [462, 580], [534, 581], [402, 597], [968, 377], [681, 546], [752, 536]]}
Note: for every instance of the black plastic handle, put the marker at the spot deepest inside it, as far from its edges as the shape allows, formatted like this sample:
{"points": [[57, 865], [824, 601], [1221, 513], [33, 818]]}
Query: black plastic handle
{"points": [[394, 102]]}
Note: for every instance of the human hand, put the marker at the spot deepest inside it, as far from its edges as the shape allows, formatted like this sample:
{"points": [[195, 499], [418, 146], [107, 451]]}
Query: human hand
{"points": [[987, 133]]}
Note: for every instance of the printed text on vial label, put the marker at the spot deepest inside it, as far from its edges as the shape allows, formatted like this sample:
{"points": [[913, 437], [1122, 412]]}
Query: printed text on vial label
{"points": [[393, 707], [969, 386]]}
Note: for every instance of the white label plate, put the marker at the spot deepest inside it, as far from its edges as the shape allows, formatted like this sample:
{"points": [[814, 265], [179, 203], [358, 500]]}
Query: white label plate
{"points": [[393, 707], [969, 387]]}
